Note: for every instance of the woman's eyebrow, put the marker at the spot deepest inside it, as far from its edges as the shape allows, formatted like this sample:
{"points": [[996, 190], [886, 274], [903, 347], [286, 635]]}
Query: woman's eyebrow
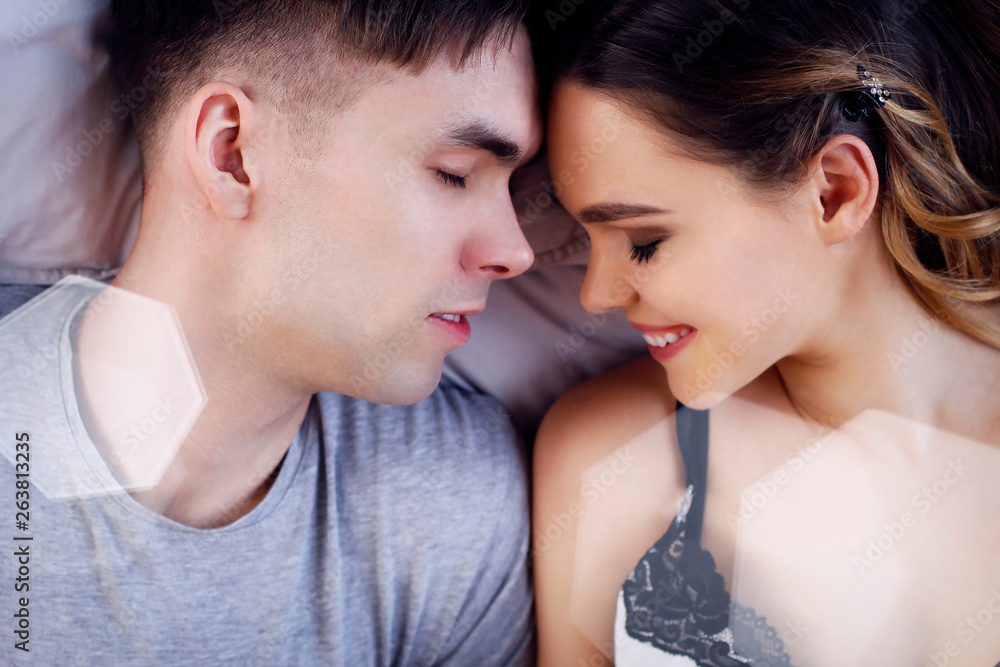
{"points": [[609, 212]]}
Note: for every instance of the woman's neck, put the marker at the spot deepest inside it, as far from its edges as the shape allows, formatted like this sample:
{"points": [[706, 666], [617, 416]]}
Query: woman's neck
{"points": [[893, 356]]}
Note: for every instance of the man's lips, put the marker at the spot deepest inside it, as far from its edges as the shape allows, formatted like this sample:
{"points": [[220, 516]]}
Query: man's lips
{"points": [[455, 322], [473, 310]]}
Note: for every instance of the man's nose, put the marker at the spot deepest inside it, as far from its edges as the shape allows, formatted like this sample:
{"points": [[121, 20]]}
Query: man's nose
{"points": [[498, 249]]}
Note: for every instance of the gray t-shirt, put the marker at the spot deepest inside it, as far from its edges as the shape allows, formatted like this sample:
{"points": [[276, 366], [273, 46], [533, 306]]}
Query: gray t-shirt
{"points": [[392, 535]]}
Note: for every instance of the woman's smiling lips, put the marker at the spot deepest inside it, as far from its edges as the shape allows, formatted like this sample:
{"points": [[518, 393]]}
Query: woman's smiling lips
{"points": [[665, 342]]}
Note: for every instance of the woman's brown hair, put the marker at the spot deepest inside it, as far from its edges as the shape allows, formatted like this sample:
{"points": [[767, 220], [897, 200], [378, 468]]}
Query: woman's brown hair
{"points": [[761, 86]]}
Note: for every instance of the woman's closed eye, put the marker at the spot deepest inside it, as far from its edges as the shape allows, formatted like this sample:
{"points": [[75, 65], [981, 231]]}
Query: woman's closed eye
{"points": [[641, 254]]}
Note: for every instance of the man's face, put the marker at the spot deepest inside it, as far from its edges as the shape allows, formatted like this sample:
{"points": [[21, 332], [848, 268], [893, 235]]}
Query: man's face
{"points": [[403, 215]]}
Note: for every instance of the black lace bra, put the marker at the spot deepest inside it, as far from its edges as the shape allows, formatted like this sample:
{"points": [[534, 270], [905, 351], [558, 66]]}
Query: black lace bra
{"points": [[675, 599]]}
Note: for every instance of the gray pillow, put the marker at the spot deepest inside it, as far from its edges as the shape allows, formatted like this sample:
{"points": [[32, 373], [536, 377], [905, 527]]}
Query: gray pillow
{"points": [[69, 176]]}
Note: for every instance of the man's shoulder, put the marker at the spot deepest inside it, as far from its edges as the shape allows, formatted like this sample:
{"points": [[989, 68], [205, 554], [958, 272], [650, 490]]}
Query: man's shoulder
{"points": [[450, 422], [453, 458], [436, 494], [13, 297]]}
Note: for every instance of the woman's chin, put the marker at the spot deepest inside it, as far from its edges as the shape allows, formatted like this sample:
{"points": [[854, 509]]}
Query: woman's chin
{"points": [[694, 397]]}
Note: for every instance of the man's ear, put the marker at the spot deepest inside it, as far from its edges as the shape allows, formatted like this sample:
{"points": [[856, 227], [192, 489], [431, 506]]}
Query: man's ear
{"points": [[218, 123], [847, 185]]}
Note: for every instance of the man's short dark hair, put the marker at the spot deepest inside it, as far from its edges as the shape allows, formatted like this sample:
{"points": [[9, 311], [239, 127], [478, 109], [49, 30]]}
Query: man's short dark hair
{"points": [[167, 49]]}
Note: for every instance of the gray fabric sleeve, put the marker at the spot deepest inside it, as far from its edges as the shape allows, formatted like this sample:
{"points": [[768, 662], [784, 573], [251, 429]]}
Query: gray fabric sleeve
{"points": [[497, 625]]}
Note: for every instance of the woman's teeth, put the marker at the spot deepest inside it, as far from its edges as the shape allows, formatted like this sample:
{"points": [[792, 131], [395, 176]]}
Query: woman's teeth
{"points": [[449, 317], [661, 341]]}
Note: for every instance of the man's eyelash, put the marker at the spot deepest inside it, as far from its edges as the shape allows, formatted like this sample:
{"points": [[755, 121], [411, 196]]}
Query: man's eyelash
{"points": [[452, 179], [643, 253]]}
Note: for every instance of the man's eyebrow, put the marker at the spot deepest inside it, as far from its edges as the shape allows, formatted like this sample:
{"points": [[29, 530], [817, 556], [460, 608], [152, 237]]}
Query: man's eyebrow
{"points": [[606, 212], [480, 136]]}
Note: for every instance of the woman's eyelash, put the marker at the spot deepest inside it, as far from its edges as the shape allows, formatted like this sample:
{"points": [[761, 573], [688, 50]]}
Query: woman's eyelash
{"points": [[643, 253], [452, 179]]}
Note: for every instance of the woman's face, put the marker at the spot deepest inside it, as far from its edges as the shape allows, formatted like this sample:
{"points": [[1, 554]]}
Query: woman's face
{"points": [[680, 245]]}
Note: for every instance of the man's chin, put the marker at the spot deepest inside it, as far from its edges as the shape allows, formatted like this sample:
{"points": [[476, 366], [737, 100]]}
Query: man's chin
{"points": [[399, 387]]}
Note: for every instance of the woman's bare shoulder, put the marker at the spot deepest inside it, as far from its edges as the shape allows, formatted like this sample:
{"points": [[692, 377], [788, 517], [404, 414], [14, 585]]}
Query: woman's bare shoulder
{"points": [[607, 480], [607, 410]]}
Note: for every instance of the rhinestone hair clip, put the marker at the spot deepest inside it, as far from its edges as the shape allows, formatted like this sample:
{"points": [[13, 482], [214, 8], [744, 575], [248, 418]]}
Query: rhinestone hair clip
{"points": [[870, 96]]}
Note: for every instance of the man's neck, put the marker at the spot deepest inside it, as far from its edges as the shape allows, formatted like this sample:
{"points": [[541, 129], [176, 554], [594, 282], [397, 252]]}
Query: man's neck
{"points": [[194, 428]]}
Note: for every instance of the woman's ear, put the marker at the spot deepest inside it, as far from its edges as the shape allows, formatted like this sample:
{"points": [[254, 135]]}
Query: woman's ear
{"points": [[219, 120], [847, 185]]}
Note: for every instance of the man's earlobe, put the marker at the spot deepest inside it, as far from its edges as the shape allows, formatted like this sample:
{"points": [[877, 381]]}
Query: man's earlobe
{"points": [[848, 185], [217, 125]]}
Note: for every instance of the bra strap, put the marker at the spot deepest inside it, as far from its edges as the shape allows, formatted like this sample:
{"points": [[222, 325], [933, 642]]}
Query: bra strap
{"points": [[692, 436]]}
